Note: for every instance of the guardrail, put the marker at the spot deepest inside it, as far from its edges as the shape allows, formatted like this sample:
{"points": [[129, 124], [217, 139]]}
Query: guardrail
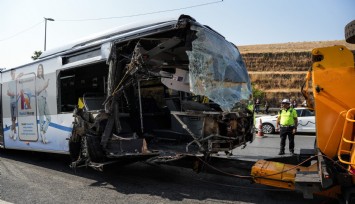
{"points": [[271, 111]]}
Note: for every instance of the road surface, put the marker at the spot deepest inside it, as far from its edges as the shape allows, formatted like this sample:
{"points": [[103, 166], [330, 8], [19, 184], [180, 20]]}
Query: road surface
{"points": [[44, 178]]}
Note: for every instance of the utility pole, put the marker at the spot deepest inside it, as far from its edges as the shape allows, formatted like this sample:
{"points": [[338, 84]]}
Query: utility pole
{"points": [[45, 30]]}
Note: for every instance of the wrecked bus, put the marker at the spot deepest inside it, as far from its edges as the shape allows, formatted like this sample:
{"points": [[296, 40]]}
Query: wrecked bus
{"points": [[156, 91]]}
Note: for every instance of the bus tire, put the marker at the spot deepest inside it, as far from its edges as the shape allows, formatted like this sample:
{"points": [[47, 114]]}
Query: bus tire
{"points": [[94, 149], [350, 32]]}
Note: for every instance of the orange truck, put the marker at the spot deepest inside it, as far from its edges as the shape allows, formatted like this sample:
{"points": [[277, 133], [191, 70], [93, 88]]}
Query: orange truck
{"points": [[329, 169]]}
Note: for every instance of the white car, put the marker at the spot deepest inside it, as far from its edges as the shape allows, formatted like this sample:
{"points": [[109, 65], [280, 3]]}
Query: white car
{"points": [[306, 122]]}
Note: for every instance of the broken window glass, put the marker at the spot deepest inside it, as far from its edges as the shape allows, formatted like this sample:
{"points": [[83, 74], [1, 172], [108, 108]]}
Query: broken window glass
{"points": [[218, 71]]}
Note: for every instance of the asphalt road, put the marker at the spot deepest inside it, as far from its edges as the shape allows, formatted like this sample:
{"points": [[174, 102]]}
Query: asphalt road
{"points": [[44, 178], [269, 146]]}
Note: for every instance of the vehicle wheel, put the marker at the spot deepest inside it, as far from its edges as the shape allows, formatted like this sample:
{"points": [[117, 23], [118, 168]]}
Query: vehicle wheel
{"points": [[350, 32], [94, 149], [268, 128]]}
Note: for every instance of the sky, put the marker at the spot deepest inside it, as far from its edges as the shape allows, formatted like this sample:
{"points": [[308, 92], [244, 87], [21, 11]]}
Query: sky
{"points": [[243, 22]]}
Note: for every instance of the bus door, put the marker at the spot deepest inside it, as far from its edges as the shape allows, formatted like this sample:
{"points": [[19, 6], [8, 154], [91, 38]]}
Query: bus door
{"points": [[27, 107]]}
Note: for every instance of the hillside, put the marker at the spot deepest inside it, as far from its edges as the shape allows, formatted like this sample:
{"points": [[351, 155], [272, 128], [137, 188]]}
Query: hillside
{"points": [[279, 69], [292, 46]]}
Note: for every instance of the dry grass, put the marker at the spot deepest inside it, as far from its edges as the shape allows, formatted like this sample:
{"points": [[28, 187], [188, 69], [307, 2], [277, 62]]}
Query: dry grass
{"points": [[271, 72], [292, 46], [286, 61], [266, 82]]}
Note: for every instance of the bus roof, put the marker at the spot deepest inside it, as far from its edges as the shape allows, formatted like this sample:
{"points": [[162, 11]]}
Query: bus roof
{"points": [[110, 34], [105, 36]]}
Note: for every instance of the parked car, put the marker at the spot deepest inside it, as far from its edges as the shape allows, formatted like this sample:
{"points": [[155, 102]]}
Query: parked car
{"points": [[306, 121]]}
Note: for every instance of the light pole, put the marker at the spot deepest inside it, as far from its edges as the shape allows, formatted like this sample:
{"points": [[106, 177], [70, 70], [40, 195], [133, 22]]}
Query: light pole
{"points": [[45, 30]]}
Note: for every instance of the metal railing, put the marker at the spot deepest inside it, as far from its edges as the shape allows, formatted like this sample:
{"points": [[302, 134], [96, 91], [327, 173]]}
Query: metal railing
{"points": [[347, 138]]}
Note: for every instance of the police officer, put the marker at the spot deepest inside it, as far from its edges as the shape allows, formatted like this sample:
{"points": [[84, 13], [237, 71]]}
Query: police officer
{"points": [[287, 120]]}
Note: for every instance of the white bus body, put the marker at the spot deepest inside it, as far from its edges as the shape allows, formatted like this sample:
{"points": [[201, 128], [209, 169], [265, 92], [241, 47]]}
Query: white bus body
{"points": [[174, 81]]}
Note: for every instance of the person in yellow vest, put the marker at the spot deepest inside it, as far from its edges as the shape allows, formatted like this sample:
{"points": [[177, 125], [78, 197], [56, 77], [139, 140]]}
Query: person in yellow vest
{"points": [[287, 121]]}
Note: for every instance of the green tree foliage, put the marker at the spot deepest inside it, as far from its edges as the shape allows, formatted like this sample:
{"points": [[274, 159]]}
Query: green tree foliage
{"points": [[257, 93], [36, 54]]}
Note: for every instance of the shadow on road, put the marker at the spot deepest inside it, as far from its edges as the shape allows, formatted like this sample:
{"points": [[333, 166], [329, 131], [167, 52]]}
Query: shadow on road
{"points": [[171, 183]]}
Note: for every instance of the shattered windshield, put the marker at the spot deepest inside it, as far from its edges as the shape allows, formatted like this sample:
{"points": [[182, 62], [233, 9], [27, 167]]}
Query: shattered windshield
{"points": [[217, 70]]}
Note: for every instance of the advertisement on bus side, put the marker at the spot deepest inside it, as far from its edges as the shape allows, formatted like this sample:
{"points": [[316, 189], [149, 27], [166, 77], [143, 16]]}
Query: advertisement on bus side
{"points": [[30, 119]]}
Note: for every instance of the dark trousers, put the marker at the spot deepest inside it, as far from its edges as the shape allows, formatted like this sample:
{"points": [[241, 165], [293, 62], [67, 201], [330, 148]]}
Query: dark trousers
{"points": [[284, 132], [257, 108]]}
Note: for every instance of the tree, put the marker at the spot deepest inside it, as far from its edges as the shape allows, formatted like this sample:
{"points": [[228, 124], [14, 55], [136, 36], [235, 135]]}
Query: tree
{"points": [[36, 54], [257, 93]]}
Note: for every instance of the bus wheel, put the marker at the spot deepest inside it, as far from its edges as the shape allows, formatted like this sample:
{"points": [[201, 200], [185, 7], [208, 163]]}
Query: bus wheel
{"points": [[93, 148]]}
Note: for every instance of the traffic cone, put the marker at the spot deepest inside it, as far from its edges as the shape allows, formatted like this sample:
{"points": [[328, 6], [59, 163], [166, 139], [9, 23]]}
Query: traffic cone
{"points": [[260, 129]]}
